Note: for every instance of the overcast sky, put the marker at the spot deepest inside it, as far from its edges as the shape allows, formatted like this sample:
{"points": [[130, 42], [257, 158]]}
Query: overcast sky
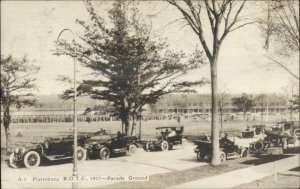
{"points": [[31, 28]]}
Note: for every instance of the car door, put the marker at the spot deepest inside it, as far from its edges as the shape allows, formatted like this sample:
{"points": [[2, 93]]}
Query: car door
{"points": [[119, 142]]}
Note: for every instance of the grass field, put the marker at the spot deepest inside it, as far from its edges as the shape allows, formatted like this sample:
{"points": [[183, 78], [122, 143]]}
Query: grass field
{"points": [[192, 128]]}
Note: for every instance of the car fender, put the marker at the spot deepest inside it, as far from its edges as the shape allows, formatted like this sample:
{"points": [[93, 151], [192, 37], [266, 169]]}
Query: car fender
{"points": [[39, 149]]}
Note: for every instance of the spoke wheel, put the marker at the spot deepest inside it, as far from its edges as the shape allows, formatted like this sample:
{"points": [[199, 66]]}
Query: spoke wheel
{"points": [[32, 160], [164, 146], [222, 157], [81, 154], [13, 161], [104, 153], [200, 156], [258, 146], [183, 142], [244, 153], [131, 149], [147, 147], [297, 133], [284, 144]]}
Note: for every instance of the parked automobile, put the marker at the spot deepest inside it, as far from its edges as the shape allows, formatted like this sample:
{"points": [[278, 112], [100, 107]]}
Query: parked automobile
{"points": [[228, 149], [167, 137], [251, 135], [281, 135], [103, 145], [292, 128], [36, 149]]}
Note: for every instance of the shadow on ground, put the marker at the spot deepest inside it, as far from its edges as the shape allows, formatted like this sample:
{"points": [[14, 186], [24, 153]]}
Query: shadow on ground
{"points": [[261, 159]]}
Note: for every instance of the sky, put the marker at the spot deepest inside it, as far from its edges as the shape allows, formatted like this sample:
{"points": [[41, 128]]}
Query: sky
{"points": [[32, 27]]}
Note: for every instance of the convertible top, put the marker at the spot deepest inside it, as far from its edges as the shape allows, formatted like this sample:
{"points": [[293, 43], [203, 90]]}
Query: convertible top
{"points": [[170, 127]]}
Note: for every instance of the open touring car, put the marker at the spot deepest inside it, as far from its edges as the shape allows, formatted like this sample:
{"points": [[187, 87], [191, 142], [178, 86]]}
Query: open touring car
{"points": [[167, 138], [30, 153]]}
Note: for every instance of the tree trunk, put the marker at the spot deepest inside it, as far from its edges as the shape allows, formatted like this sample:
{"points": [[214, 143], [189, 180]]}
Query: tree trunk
{"points": [[133, 124], [8, 138], [126, 124], [6, 124], [214, 113], [125, 115], [221, 112], [262, 115]]}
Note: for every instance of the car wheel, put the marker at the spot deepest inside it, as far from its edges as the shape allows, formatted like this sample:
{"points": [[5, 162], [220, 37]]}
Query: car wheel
{"points": [[200, 156], [13, 161], [32, 159], [131, 149], [297, 133], [81, 154], [147, 146], [222, 156], [284, 144], [244, 152], [183, 142], [104, 153], [258, 146], [164, 146]]}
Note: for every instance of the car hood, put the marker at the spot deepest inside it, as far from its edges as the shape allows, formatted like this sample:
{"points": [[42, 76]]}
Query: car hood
{"points": [[101, 138], [278, 133]]}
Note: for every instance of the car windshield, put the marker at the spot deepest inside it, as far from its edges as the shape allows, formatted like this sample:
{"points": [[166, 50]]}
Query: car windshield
{"points": [[28, 140]]}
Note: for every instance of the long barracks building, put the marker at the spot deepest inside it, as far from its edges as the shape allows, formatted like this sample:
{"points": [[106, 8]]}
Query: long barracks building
{"points": [[51, 108]]}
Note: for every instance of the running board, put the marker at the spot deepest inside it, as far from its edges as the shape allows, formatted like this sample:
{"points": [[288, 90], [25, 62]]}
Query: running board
{"points": [[55, 157], [233, 156]]}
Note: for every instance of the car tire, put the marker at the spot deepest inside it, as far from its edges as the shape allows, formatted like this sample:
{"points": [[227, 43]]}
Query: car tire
{"points": [[104, 153], [183, 142], [147, 147], [32, 159], [284, 144], [164, 146], [297, 133], [222, 157], [200, 156], [12, 161], [244, 152], [258, 146], [131, 149], [81, 154]]}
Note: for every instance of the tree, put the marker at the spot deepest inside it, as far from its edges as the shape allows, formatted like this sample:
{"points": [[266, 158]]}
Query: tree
{"points": [[130, 68], [261, 99], [224, 18], [243, 103], [281, 31], [17, 84], [295, 103], [221, 105], [289, 95]]}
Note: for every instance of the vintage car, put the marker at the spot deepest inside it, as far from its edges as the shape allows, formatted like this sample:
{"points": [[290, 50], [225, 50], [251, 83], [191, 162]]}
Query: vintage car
{"points": [[228, 149], [281, 135], [166, 138], [291, 128], [250, 135], [31, 151], [254, 131], [272, 139], [103, 145]]}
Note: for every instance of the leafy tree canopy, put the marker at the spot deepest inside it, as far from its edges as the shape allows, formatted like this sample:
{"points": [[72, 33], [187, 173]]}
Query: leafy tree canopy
{"points": [[243, 103], [131, 69]]}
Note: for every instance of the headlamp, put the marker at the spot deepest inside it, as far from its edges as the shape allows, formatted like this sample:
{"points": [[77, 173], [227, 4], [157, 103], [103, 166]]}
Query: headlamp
{"points": [[23, 150], [16, 150]]}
